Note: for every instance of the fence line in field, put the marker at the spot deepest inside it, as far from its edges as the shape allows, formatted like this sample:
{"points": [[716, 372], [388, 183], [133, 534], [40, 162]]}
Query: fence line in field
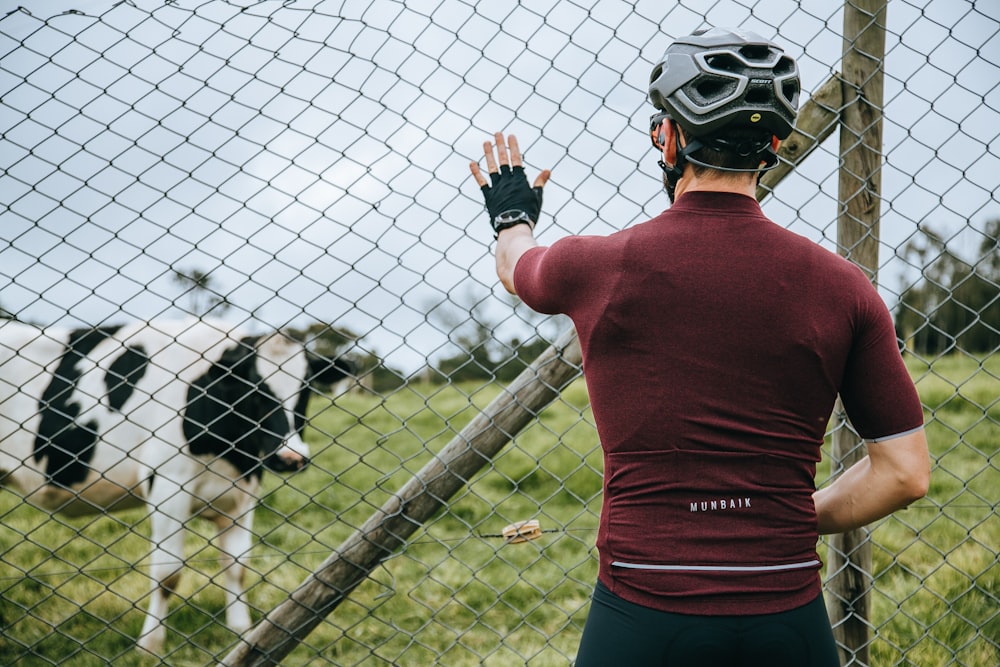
{"points": [[303, 166]]}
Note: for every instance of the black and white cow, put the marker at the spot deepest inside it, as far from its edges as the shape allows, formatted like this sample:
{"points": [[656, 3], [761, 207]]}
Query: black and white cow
{"points": [[178, 415]]}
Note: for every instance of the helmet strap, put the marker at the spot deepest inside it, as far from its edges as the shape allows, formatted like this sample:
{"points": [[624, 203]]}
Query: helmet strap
{"points": [[670, 178], [745, 148], [767, 156], [674, 172]]}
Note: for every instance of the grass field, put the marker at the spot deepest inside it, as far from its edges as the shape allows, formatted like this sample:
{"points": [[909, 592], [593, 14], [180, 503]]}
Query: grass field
{"points": [[73, 591]]}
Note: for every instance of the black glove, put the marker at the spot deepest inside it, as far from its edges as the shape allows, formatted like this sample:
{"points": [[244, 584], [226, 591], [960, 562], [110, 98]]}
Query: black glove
{"points": [[510, 193]]}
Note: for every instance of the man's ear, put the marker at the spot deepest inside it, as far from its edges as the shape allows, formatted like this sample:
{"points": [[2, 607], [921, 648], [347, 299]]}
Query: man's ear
{"points": [[669, 132], [772, 158]]}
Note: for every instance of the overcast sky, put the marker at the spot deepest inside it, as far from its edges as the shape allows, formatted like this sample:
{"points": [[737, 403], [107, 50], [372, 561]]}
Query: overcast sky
{"points": [[312, 156]]}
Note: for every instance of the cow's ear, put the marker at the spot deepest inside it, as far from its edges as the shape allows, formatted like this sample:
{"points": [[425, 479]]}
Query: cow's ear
{"points": [[323, 370]]}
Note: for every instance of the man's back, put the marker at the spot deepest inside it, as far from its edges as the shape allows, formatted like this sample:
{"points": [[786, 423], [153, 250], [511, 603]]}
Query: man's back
{"points": [[715, 344]]}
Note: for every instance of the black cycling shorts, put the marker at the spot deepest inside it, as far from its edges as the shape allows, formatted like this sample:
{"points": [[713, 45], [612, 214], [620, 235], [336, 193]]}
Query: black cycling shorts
{"points": [[623, 633]]}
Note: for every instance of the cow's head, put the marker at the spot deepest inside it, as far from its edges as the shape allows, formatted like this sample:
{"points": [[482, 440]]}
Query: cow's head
{"points": [[249, 407]]}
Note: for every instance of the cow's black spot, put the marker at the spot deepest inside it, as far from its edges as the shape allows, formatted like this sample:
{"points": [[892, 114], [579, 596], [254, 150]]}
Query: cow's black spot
{"points": [[123, 375], [301, 406], [322, 371], [66, 445], [231, 413]]}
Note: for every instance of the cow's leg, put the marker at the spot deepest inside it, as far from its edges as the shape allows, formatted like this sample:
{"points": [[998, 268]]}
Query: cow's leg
{"points": [[235, 541], [166, 563]]}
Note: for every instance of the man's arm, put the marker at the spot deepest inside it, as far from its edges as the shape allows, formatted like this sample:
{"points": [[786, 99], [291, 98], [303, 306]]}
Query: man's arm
{"points": [[511, 245], [895, 473]]}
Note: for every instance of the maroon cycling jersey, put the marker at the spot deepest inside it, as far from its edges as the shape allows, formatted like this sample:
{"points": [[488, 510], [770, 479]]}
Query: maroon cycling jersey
{"points": [[715, 343]]}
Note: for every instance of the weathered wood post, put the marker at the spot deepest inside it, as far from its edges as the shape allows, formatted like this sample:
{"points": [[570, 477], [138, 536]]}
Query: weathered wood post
{"points": [[816, 120], [849, 560], [388, 528]]}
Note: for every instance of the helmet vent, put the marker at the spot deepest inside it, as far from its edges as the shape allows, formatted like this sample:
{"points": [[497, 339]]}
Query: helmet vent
{"points": [[755, 52], [713, 89], [785, 66], [723, 62], [790, 90]]}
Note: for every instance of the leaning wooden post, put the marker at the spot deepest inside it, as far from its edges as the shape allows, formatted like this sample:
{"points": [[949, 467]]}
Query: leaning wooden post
{"points": [[431, 488], [849, 560], [817, 119]]}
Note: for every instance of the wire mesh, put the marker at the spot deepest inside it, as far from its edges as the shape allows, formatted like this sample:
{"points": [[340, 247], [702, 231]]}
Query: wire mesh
{"points": [[302, 166]]}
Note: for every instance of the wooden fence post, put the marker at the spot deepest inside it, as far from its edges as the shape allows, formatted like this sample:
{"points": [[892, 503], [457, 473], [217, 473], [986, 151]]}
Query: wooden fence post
{"points": [[849, 559]]}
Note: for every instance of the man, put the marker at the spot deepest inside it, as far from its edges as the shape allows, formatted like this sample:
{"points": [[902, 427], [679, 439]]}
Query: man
{"points": [[715, 344]]}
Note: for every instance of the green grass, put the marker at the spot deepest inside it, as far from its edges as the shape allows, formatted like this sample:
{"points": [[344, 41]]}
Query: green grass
{"points": [[73, 590]]}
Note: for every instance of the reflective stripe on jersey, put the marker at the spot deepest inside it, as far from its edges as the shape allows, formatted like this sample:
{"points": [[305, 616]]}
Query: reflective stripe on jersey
{"points": [[717, 568]]}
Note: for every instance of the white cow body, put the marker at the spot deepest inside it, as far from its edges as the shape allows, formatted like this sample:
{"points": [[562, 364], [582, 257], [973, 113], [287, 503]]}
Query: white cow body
{"points": [[177, 415]]}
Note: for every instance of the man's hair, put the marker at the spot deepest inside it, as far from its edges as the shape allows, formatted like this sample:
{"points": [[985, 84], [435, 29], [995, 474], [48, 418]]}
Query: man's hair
{"points": [[735, 149]]}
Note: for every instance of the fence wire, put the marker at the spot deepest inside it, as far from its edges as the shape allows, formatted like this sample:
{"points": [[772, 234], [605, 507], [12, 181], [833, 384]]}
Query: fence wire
{"points": [[302, 166]]}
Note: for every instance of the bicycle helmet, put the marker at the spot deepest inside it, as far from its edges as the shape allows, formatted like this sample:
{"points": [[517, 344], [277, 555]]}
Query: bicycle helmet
{"points": [[719, 78]]}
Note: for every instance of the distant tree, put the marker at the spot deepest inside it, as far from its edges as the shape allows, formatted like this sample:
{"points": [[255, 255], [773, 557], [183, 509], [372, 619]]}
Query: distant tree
{"points": [[380, 378], [956, 305], [473, 360], [329, 341], [481, 354], [202, 297], [324, 339], [523, 354]]}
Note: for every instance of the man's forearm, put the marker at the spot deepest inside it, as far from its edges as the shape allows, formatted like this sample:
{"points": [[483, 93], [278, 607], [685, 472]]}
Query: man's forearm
{"points": [[847, 503], [511, 244], [893, 475]]}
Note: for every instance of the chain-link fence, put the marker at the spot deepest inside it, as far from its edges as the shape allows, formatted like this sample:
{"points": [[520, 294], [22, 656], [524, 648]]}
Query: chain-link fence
{"points": [[302, 166]]}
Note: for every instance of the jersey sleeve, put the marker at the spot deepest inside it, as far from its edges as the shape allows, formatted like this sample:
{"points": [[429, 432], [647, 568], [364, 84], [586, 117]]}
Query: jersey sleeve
{"points": [[562, 277], [877, 390]]}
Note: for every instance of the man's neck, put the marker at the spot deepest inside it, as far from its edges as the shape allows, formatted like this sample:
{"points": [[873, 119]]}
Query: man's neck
{"points": [[710, 183]]}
